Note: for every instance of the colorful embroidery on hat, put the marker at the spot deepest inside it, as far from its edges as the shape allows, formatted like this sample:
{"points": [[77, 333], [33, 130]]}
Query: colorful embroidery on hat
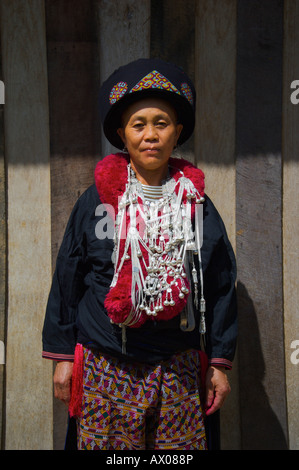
{"points": [[154, 80], [186, 90], [117, 92]]}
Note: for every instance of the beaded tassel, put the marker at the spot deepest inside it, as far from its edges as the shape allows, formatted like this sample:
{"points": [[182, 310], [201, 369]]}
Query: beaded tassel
{"points": [[199, 241]]}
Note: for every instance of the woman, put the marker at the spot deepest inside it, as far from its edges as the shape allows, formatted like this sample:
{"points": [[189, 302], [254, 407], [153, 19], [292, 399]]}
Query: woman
{"points": [[129, 307]]}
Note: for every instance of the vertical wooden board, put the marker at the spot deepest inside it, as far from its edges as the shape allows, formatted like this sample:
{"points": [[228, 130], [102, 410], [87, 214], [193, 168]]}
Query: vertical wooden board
{"points": [[173, 32], [28, 406], [172, 39], [73, 77], [215, 78], [290, 218], [259, 225], [215, 83], [124, 29], [123, 33], [2, 258]]}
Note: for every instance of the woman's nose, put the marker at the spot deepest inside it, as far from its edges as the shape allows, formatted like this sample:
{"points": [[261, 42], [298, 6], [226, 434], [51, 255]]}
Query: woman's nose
{"points": [[150, 133]]}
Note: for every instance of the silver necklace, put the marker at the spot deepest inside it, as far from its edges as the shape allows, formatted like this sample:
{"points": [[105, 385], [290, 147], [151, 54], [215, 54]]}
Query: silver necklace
{"points": [[163, 228]]}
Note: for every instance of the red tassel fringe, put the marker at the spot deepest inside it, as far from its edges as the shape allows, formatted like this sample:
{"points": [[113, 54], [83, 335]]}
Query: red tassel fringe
{"points": [[75, 405]]}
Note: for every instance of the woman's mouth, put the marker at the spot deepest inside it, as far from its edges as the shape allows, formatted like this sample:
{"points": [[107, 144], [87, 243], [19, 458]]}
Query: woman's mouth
{"points": [[150, 150]]}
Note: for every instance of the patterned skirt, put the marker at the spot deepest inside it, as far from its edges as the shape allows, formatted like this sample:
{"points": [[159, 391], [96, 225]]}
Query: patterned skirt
{"points": [[131, 406]]}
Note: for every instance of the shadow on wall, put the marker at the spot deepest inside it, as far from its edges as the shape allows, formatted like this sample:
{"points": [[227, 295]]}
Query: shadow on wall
{"points": [[260, 427]]}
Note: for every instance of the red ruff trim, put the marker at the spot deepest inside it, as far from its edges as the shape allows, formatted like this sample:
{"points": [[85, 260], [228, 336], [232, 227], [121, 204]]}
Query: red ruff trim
{"points": [[77, 383], [111, 176]]}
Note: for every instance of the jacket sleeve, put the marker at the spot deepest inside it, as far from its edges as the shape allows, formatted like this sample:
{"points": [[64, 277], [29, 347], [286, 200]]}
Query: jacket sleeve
{"points": [[220, 292], [59, 331]]}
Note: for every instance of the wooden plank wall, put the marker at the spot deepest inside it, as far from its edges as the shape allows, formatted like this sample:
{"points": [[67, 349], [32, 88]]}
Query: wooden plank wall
{"points": [[2, 259], [246, 141], [259, 224], [215, 78], [290, 189], [28, 393]]}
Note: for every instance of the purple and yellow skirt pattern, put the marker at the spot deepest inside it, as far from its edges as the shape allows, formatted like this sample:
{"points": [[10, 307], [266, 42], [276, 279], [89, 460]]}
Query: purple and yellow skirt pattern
{"points": [[131, 406]]}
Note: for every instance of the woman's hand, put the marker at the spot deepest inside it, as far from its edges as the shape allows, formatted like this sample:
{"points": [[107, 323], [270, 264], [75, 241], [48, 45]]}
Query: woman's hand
{"points": [[217, 389], [62, 381]]}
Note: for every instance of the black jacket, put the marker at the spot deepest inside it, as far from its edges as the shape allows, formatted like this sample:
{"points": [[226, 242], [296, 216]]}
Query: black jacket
{"points": [[76, 313]]}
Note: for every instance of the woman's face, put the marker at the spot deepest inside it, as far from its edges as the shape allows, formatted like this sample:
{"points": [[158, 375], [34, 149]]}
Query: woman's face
{"points": [[150, 132]]}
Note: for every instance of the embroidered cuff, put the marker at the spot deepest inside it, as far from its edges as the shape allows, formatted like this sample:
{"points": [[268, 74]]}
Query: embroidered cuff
{"points": [[58, 357], [220, 362]]}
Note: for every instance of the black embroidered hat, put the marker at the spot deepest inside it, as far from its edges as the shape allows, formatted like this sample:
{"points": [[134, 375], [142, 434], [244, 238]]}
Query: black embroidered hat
{"points": [[141, 79]]}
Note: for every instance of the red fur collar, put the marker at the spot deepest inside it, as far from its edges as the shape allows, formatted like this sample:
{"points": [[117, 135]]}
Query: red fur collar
{"points": [[111, 176]]}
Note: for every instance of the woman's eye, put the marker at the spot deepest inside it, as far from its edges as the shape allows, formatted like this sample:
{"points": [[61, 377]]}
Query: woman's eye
{"points": [[161, 124]]}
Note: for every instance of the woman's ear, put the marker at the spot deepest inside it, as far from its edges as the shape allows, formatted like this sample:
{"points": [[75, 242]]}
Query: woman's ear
{"points": [[179, 129], [121, 134]]}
